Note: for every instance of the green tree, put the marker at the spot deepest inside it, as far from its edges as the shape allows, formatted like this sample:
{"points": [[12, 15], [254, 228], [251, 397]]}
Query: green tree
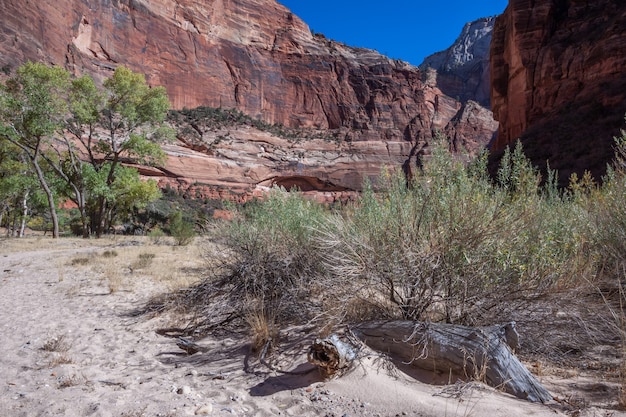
{"points": [[32, 110], [84, 135], [122, 123], [19, 189]]}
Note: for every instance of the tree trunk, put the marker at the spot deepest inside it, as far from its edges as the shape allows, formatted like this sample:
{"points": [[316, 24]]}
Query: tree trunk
{"points": [[50, 197], [483, 353], [33, 154], [24, 214]]}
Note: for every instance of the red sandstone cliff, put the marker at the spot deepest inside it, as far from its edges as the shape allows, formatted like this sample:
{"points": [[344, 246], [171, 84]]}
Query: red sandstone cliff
{"points": [[558, 70], [253, 55]]}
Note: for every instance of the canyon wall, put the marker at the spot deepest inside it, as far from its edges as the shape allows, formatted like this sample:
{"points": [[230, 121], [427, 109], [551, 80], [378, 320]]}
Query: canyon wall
{"points": [[252, 55], [463, 68], [558, 70]]}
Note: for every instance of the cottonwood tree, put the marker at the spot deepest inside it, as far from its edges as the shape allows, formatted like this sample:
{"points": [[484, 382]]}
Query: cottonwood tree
{"points": [[121, 123], [19, 189], [33, 108], [85, 134]]}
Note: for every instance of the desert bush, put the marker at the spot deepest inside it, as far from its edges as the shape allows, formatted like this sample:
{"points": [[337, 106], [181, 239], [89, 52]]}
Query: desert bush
{"points": [[276, 262], [144, 260], [452, 246], [270, 271], [608, 214]]}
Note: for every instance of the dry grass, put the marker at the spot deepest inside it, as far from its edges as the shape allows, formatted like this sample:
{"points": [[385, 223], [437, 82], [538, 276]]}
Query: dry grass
{"points": [[58, 347], [60, 359], [70, 381], [56, 344], [263, 326], [136, 413], [121, 262]]}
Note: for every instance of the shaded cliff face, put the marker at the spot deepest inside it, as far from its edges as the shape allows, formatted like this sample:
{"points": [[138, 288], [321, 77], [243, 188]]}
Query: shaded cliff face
{"points": [[253, 55], [463, 68], [559, 80]]}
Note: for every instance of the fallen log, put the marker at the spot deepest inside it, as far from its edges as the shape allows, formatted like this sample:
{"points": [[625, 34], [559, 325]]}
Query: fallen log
{"points": [[331, 355], [484, 353]]}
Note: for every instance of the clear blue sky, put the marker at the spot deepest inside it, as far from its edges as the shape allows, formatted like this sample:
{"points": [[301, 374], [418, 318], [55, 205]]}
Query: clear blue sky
{"points": [[402, 29]]}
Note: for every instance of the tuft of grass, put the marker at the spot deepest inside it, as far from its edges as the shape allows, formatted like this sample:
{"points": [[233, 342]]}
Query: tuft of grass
{"points": [[80, 261], [144, 260], [56, 344], [263, 327], [70, 381], [61, 359], [135, 413], [109, 254]]}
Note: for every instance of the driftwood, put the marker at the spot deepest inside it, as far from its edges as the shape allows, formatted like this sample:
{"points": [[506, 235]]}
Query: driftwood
{"points": [[482, 353]]}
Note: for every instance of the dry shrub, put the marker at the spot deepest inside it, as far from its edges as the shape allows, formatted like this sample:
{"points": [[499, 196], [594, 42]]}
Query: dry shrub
{"points": [[114, 277], [267, 255], [60, 359], [58, 346]]}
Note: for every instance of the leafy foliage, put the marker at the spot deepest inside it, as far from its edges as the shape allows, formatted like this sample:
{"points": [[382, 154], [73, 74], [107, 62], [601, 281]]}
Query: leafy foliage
{"points": [[32, 107], [84, 135]]}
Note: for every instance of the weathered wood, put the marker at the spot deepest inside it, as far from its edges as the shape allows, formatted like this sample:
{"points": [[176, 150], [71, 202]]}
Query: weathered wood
{"points": [[331, 355], [482, 353]]}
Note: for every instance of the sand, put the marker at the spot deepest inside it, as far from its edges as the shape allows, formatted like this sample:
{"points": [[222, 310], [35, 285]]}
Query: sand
{"points": [[70, 347]]}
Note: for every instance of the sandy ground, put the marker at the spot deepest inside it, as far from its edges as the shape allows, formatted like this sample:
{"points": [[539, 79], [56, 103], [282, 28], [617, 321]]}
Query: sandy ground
{"points": [[71, 348]]}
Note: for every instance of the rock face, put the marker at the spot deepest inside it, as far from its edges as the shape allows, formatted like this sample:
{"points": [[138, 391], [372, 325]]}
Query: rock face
{"points": [[253, 55], [463, 68], [559, 80]]}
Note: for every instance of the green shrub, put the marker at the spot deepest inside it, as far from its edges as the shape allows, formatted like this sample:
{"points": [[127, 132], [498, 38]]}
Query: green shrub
{"points": [[452, 246], [276, 261], [181, 229], [156, 236], [608, 215]]}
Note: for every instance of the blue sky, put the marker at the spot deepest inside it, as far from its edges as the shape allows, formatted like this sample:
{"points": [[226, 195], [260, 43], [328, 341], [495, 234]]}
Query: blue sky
{"points": [[402, 29]]}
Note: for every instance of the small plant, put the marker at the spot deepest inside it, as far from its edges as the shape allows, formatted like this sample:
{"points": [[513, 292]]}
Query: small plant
{"points": [[157, 236], [69, 381], [80, 261], [181, 229], [56, 344], [60, 359], [136, 413], [143, 261], [109, 254]]}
